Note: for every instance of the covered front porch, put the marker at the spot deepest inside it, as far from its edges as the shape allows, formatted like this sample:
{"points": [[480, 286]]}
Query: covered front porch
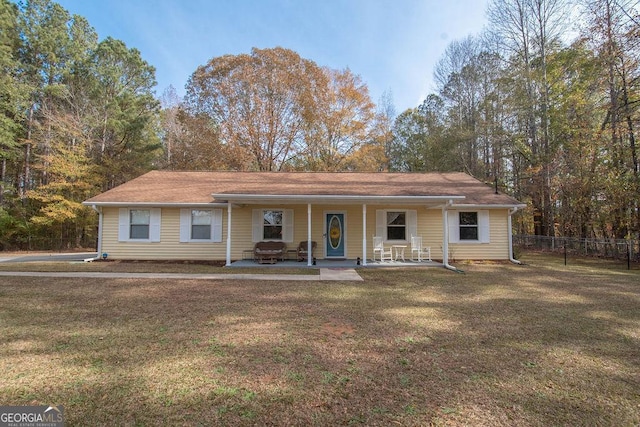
{"points": [[342, 229]]}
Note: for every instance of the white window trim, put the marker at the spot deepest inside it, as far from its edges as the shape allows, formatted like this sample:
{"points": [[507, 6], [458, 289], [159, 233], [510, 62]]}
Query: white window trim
{"points": [[185, 226], [124, 225], [257, 227], [411, 216], [484, 235]]}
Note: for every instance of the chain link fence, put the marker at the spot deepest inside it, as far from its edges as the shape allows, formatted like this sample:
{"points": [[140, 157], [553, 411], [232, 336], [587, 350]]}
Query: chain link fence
{"points": [[619, 249]]}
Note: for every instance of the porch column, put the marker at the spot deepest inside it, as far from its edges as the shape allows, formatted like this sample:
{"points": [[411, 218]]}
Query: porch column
{"points": [[309, 246], [228, 234], [445, 235], [364, 234]]}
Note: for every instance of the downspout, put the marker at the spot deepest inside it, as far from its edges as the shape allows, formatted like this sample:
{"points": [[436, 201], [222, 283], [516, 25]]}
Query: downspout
{"points": [[510, 234], [309, 243], [99, 248], [228, 263], [445, 240]]}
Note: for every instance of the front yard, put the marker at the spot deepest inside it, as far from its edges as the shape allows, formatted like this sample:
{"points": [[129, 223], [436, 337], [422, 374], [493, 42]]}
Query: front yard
{"points": [[541, 344]]}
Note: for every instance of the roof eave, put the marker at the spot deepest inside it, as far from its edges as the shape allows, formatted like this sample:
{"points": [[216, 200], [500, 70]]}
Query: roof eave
{"points": [[487, 206], [156, 204], [330, 198]]}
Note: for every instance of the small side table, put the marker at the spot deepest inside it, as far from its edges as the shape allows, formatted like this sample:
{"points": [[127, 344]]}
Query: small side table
{"points": [[399, 251]]}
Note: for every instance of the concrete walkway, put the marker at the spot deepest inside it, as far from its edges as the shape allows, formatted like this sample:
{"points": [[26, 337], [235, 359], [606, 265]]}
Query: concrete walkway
{"points": [[326, 274]]}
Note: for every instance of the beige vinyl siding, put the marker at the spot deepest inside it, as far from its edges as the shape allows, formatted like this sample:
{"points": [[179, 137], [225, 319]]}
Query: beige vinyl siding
{"points": [[169, 246], [242, 227], [241, 230], [429, 226], [497, 248]]}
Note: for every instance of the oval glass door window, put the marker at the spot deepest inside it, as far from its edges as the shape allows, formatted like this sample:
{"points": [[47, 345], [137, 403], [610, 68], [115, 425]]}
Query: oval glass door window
{"points": [[335, 233]]}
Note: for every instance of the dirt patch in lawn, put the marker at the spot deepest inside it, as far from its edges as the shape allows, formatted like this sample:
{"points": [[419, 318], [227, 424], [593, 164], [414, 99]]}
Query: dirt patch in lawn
{"points": [[338, 329]]}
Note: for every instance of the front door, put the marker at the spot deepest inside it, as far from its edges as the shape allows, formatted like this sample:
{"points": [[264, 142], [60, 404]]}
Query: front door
{"points": [[335, 235]]}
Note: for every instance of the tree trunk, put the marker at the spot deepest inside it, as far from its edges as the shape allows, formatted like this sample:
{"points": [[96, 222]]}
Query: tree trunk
{"points": [[24, 180], [3, 174]]}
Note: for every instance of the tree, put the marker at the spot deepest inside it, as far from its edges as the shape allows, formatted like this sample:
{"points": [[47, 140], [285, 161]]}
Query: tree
{"points": [[10, 94], [613, 33], [125, 137], [61, 219], [419, 140], [530, 31], [373, 154], [44, 56], [169, 124], [273, 110], [580, 169], [76, 117], [259, 103], [338, 125]]}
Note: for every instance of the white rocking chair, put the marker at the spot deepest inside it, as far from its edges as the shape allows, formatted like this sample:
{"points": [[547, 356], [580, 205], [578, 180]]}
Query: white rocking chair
{"points": [[378, 248], [418, 253]]}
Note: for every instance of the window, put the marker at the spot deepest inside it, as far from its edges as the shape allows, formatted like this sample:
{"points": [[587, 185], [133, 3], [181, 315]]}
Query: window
{"points": [[139, 225], [396, 226], [139, 221], [200, 224], [469, 226], [272, 225]]}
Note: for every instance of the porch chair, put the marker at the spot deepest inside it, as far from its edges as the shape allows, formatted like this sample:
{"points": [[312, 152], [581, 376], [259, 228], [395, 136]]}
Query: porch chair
{"points": [[378, 248], [302, 251], [418, 253]]}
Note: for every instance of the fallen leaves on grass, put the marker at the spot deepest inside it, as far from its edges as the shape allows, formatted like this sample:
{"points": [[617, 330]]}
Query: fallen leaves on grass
{"points": [[500, 345]]}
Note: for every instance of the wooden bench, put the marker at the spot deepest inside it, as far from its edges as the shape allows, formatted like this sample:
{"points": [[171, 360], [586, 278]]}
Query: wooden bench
{"points": [[269, 252]]}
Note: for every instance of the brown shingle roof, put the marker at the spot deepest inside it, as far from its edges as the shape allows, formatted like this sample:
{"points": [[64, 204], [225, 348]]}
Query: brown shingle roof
{"points": [[169, 187]]}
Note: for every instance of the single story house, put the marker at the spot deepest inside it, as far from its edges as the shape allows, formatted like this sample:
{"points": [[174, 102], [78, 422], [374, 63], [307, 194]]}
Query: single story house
{"points": [[180, 215]]}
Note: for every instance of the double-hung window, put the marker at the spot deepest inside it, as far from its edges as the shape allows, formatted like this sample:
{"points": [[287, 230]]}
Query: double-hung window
{"points": [[469, 226], [139, 222], [272, 224], [200, 225], [396, 225], [139, 225]]}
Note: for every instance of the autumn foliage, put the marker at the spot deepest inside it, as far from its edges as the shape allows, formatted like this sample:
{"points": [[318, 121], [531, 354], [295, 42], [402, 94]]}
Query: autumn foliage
{"points": [[546, 117]]}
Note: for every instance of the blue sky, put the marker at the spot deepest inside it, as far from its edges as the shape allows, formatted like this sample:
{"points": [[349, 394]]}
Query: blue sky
{"points": [[392, 45]]}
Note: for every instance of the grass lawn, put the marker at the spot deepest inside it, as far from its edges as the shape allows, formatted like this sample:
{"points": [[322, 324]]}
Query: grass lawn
{"points": [[535, 345]]}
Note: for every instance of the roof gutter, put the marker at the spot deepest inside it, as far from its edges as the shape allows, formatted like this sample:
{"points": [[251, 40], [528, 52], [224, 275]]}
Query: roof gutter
{"points": [[155, 204], [510, 234], [329, 198], [488, 206], [445, 238]]}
